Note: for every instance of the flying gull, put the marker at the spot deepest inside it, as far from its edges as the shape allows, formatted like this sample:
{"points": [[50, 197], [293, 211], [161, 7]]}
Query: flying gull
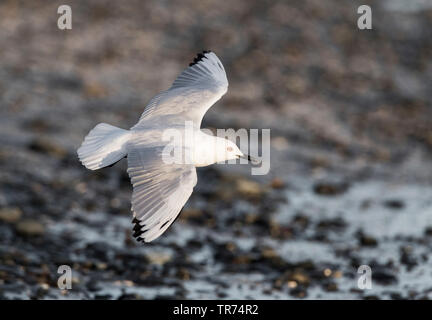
{"points": [[160, 187]]}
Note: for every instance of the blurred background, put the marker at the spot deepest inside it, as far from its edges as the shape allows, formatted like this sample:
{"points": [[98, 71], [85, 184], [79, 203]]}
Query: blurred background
{"points": [[351, 132]]}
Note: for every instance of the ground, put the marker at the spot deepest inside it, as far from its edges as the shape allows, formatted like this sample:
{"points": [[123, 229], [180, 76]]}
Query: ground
{"points": [[351, 134]]}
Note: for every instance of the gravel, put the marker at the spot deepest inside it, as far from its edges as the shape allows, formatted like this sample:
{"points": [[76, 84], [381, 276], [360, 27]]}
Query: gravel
{"points": [[350, 180]]}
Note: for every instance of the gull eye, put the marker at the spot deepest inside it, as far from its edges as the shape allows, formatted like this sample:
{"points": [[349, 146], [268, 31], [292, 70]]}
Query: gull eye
{"points": [[229, 149]]}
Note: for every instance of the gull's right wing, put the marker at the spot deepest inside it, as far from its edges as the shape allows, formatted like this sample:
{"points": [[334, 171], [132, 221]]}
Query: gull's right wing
{"points": [[160, 190]]}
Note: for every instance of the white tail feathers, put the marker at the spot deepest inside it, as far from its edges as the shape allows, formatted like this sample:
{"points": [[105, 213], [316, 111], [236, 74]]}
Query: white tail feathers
{"points": [[103, 146]]}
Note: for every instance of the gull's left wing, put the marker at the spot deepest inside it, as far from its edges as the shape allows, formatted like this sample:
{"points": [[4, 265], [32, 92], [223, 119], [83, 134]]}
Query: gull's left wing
{"points": [[194, 91]]}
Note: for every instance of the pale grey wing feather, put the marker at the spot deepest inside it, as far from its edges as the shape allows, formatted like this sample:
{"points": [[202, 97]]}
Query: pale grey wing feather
{"points": [[194, 91], [152, 104], [159, 190]]}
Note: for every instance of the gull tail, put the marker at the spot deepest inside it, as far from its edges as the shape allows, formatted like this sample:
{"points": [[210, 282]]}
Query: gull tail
{"points": [[103, 146]]}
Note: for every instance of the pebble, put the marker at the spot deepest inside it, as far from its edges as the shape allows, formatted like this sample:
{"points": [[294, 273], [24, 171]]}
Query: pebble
{"points": [[249, 188], [330, 189], [30, 228], [10, 215], [366, 240], [331, 287], [158, 258], [44, 145], [277, 183], [394, 204], [190, 213]]}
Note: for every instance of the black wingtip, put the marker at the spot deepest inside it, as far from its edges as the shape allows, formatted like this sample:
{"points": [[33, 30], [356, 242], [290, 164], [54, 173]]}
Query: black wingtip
{"points": [[199, 57], [138, 230]]}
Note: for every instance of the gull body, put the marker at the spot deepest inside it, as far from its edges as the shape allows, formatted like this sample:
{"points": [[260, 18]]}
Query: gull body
{"points": [[161, 188], [202, 149]]}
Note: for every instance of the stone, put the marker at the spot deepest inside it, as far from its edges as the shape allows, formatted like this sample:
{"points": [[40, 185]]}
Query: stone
{"points": [[10, 215], [30, 228]]}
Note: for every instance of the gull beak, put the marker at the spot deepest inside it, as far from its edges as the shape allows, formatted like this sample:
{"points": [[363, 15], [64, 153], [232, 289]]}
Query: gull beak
{"points": [[249, 158]]}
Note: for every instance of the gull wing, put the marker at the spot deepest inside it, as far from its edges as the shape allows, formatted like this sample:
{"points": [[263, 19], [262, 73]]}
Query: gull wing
{"points": [[160, 190], [194, 91]]}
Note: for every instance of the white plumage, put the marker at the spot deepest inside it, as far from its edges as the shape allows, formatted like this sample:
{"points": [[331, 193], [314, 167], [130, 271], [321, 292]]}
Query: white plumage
{"points": [[160, 190]]}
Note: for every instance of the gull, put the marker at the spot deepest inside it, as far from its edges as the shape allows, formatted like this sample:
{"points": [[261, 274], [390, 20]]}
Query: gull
{"points": [[161, 188]]}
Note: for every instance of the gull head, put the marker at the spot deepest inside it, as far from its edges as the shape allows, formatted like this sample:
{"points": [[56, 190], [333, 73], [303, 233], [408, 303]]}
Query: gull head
{"points": [[232, 152]]}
